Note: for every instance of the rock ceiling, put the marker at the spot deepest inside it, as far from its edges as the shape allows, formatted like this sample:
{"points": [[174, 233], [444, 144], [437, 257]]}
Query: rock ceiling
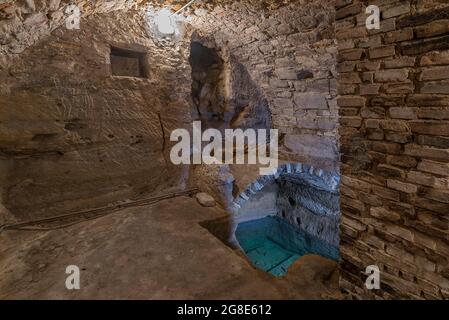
{"points": [[23, 22], [9, 7], [269, 4]]}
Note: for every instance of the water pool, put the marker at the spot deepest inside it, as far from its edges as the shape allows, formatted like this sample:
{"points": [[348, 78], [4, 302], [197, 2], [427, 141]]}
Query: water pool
{"points": [[272, 244]]}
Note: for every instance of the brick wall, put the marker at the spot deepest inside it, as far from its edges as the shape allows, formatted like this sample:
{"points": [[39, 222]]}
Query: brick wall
{"points": [[394, 117]]}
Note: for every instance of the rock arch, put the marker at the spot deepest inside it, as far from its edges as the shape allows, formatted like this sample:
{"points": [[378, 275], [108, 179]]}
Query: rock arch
{"points": [[316, 176]]}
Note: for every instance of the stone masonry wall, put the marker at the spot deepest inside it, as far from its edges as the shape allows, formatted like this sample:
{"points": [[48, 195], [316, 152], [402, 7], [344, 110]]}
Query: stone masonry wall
{"points": [[73, 136], [290, 54], [394, 118]]}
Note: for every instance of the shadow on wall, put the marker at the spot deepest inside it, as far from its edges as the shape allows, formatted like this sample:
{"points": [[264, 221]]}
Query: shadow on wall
{"points": [[223, 93], [207, 84]]}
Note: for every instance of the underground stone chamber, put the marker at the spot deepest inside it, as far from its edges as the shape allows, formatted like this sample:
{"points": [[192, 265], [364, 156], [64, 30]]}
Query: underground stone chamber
{"points": [[94, 109], [86, 117]]}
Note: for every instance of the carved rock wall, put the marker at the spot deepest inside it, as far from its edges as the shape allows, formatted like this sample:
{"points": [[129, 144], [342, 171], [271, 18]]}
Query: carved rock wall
{"points": [[73, 136]]}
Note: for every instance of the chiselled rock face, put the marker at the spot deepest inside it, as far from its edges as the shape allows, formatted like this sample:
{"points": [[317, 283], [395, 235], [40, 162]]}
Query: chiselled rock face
{"points": [[24, 22]]}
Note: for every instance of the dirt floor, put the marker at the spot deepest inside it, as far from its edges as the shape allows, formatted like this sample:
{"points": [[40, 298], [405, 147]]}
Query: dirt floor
{"points": [[150, 252]]}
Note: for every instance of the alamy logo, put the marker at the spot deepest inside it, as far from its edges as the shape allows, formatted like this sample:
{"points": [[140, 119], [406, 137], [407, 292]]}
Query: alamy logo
{"points": [[373, 21], [73, 20], [373, 280], [72, 282], [230, 150]]}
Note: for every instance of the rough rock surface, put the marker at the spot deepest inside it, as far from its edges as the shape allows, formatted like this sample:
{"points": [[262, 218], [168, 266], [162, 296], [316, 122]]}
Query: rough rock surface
{"points": [[283, 62], [315, 267], [24, 22], [205, 199], [216, 180], [149, 252], [5, 216], [73, 136]]}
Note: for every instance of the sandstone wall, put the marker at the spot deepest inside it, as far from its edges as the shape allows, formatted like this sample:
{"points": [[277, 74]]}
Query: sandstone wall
{"points": [[72, 136], [394, 112]]}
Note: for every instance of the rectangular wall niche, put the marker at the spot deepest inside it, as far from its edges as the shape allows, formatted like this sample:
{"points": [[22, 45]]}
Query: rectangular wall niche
{"points": [[128, 63]]}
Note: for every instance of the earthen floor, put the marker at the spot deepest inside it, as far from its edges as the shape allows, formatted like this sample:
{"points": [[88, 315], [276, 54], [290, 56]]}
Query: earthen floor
{"points": [[150, 252]]}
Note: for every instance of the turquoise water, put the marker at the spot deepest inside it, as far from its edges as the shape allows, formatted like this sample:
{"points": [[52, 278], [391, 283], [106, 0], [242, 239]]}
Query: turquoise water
{"points": [[273, 244]]}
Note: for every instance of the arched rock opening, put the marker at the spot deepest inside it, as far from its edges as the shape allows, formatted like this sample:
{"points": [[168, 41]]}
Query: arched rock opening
{"points": [[305, 196], [287, 215], [223, 93]]}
